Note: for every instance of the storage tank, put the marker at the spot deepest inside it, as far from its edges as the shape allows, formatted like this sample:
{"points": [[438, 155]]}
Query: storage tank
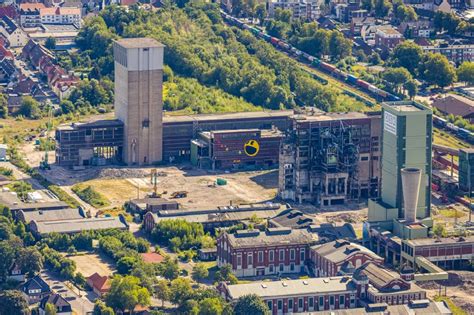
{"points": [[411, 178]]}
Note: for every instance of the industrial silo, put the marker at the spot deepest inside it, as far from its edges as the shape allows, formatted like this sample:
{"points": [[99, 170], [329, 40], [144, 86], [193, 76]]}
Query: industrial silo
{"points": [[411, 178]]}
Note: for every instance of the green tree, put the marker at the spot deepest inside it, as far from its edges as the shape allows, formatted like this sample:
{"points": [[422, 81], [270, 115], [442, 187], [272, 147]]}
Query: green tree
{"points": [[251, 304], [67, 106], [397, 77], [405, 13], [126, 293], [30, 260], [411, 88], [408, 55], [169, 268], [50, 309], [181, 290], [126, 264], [465, 72], [437, 70], [261, 12], [382, 8], [163, 291], [339, 46], [211, 306], [50, 43], [200, 272], [225, 274], [101, 309], [439, 230], [13, 302], [80, 280], [3, 106], [29, 108], [283, 15]]}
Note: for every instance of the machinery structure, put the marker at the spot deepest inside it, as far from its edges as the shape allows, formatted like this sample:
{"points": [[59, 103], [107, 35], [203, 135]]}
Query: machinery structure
{"points": [[329, 159]]}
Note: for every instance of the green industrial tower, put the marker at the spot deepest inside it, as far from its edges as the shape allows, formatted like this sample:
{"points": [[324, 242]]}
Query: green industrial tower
{"points": [[406, 143]]}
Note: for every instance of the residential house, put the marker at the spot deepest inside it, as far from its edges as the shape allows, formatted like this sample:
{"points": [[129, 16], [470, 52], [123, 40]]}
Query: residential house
{"points": [[301, 9], [61, 15], [387, 37], [35, 289], [73, 226], [340, 258], [63, 307], [457, 53], [8, 71], [30, 14], [456, 105], [9, 10], [275, 251], [15, 36], [359, 22], [415, 29], [15, 273], [99, 284]]}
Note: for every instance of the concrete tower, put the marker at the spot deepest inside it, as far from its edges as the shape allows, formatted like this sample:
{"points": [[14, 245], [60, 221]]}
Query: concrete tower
{"points": [[406, 144], [138, 98]]}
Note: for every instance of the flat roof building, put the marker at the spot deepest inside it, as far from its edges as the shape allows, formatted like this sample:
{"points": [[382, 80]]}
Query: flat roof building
{"points": [[77, 225]]}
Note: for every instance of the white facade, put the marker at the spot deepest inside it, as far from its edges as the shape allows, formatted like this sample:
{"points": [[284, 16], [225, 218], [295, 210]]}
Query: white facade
{"points": [[302, 9]]}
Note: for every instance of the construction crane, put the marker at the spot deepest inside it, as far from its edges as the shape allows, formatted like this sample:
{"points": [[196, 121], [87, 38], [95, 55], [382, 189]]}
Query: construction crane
{"points": [[154, 182], [44, 164]]}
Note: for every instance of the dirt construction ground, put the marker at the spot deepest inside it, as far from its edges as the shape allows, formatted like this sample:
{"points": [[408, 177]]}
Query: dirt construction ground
{"points": [[88, 264], [459, 288]]}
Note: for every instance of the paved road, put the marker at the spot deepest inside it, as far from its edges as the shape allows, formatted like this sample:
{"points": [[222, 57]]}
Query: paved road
{"points": [[81, 305]]}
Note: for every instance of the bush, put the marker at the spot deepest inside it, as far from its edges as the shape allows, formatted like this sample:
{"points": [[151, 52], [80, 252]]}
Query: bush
{"points": [[89, 195]]}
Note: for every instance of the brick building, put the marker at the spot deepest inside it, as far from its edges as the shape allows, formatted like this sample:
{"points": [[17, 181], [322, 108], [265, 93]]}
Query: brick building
{"points": [[275, 251], [370, 284], [387, 38], [339, 258], [225, 149]]}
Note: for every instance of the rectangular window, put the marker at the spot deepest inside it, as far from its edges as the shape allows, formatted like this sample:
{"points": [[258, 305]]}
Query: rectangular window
{"points": [[292, 267], [270, 268], [270, 305], [280, 305], [260, 256], [300, 304], [331, 300], [239, 260], [249, 259], [271, 255], [311, 302], [282, 254], [321, 301], [302, 257], [282, 267], [292, 254], [341, 300], [290, 304]]}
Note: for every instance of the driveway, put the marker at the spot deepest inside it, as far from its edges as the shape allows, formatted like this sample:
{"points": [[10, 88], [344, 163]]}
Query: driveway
{"points": [[81, 301]]}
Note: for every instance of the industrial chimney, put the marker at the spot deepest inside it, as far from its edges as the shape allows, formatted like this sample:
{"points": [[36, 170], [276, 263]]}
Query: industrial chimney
{"points": [[411, 178]]}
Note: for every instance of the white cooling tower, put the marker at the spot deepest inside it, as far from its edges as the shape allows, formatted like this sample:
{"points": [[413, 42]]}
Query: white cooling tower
{"points": [[411, 178]]}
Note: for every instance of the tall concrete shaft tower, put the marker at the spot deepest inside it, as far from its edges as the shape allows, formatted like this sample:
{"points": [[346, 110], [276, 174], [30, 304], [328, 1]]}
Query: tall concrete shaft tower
{"points": [[139, 98]]}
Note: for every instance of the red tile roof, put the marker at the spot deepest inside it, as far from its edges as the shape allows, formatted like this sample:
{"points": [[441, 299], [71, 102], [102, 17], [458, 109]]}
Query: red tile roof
{"points": [[101, 283], [152, 258]]}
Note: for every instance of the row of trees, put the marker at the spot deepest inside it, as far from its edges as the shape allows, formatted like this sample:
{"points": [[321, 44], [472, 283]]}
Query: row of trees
{"points": [[432, 68], [200, 46]]}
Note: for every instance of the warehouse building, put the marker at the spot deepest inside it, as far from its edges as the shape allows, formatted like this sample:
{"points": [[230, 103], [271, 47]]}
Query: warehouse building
{"points": [[74, 226]]}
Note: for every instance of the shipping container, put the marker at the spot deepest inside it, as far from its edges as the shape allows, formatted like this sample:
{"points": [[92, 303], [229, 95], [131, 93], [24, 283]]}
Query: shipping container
{"points": [[351, 78], [327, 66], [363, 84]]}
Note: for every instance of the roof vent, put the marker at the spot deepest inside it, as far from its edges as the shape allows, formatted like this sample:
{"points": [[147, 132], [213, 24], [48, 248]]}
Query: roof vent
{"points": [[284, 284], [278, 231], [326, 280], [264, 285], [305, 282]]}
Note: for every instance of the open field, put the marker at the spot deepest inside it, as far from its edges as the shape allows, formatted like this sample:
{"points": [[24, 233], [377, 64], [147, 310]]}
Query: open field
{"points": [[242, 187], [88, 264]]}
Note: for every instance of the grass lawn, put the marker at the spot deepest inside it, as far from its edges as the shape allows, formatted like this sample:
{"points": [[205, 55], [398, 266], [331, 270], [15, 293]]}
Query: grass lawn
{"points": [[90, 195], [451, 213], [117, 191], [442, 137]]}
